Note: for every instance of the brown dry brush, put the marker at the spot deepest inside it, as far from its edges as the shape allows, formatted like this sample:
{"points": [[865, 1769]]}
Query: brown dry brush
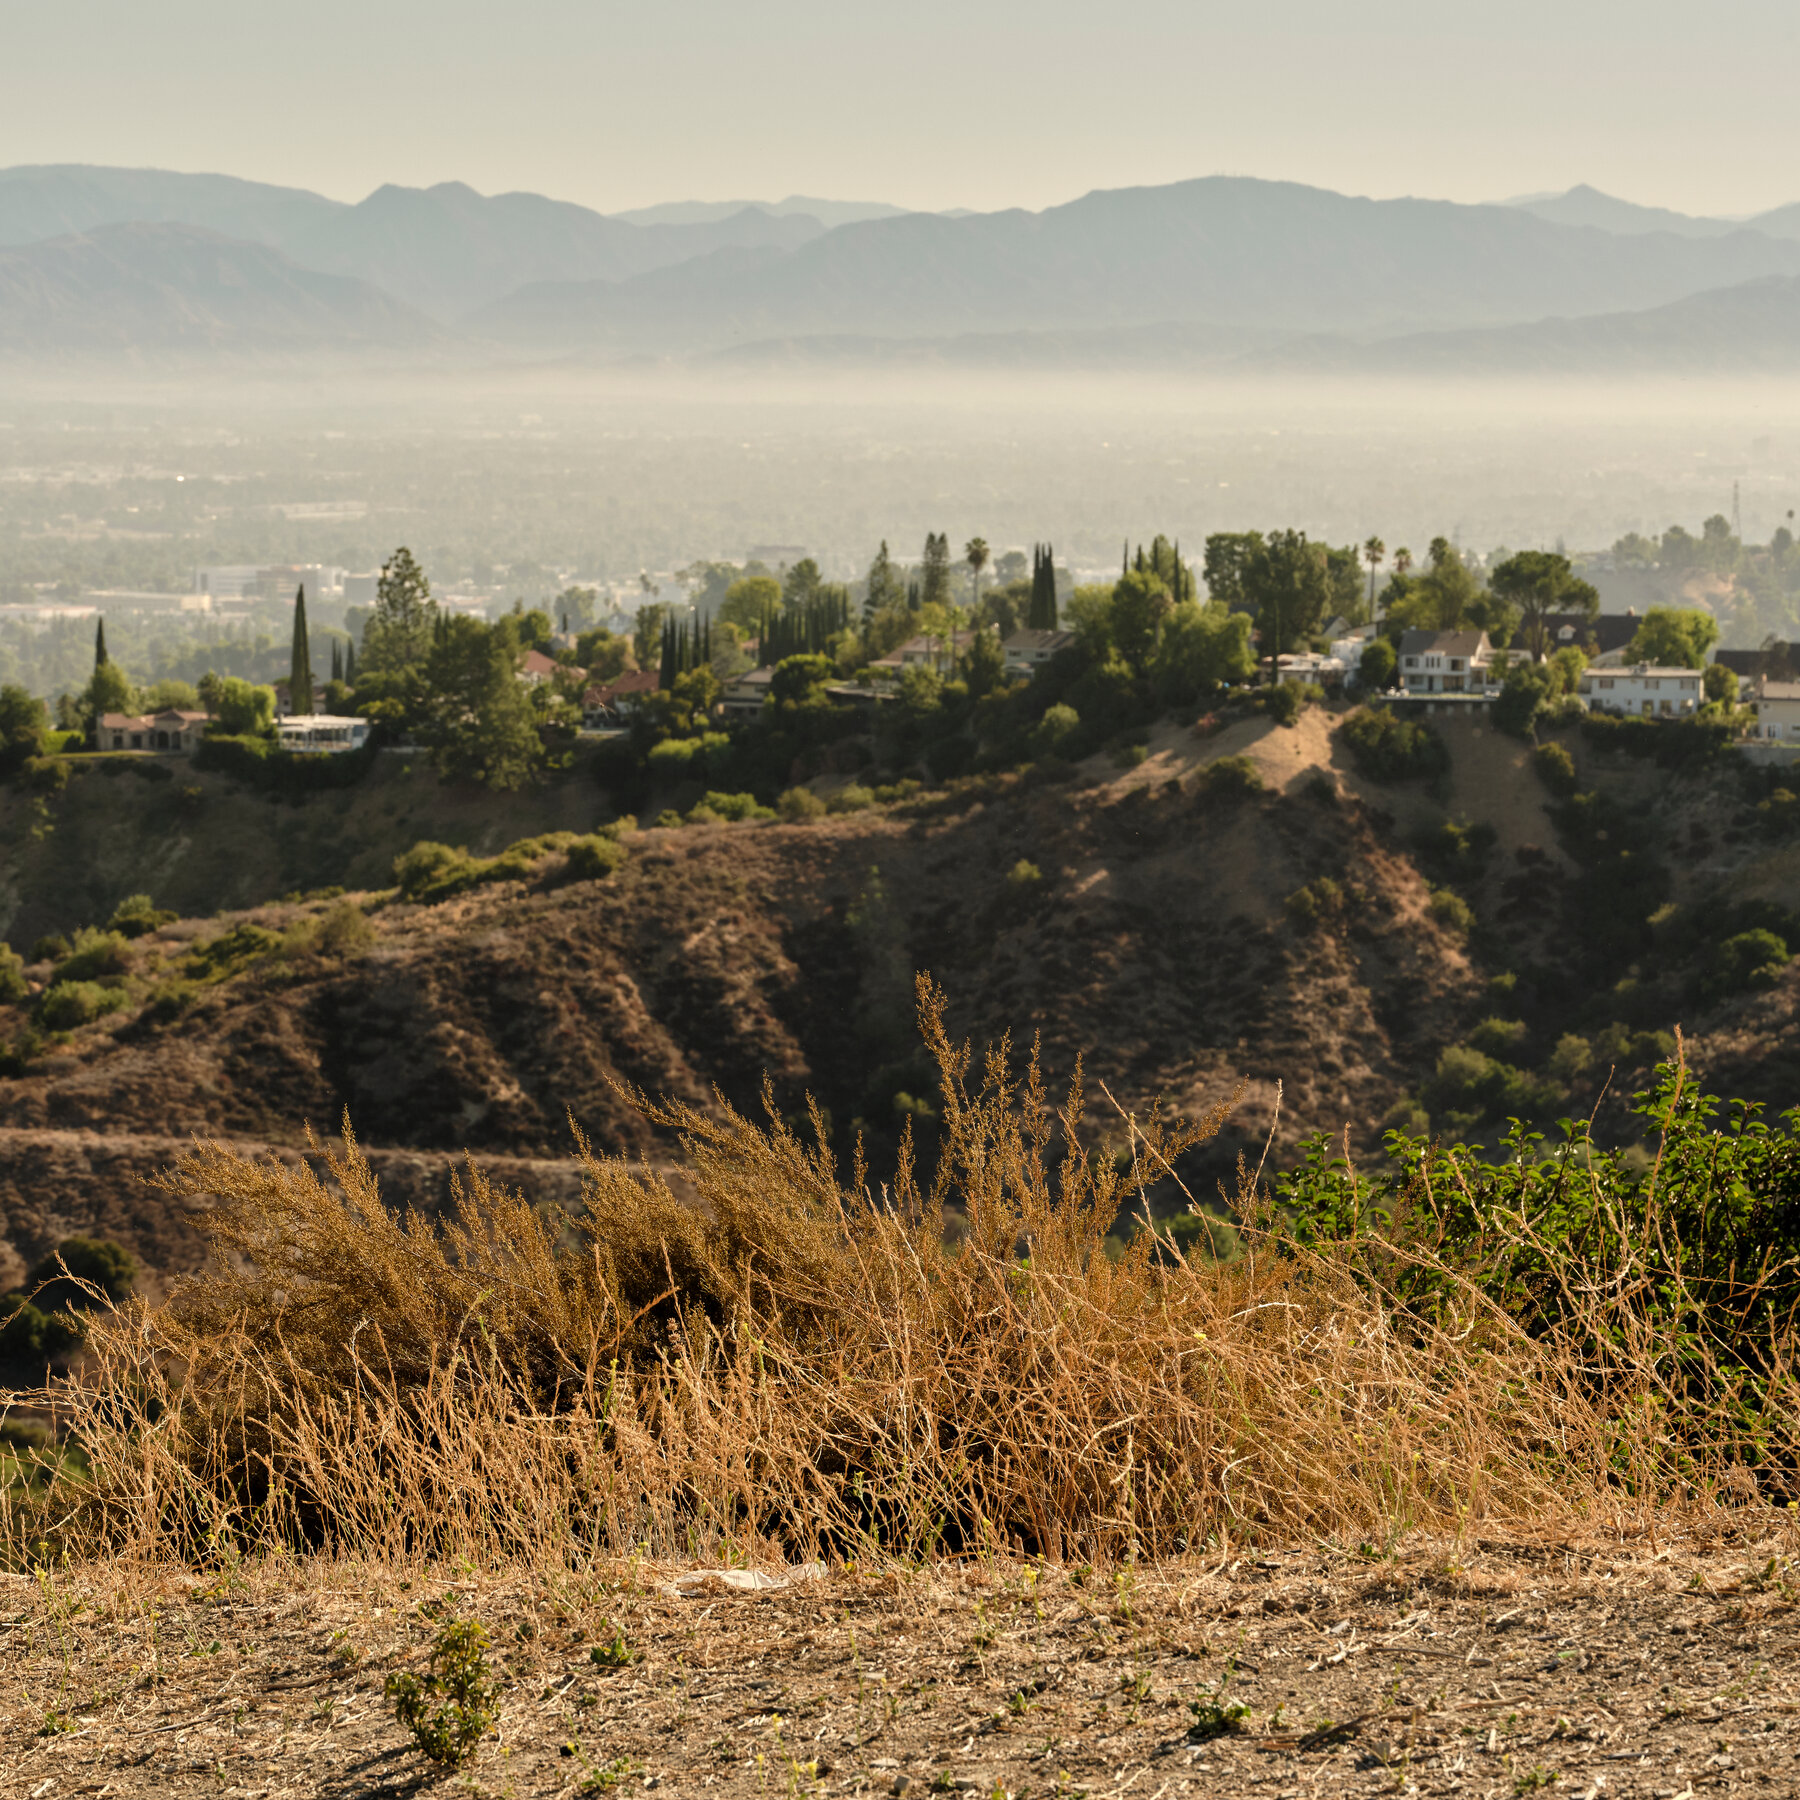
{"points": [[799, 1363]]}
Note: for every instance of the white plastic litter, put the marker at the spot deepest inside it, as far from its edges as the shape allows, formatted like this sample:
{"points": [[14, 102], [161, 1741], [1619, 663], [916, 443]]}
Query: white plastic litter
{"points": [[745, 1581]]}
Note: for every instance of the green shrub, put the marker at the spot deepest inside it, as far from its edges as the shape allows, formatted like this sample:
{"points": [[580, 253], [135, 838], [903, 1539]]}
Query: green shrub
{"points": [[75, 1003], [82, 1271], [12, 976], [702, 814], [1500, 1037], [1287, 700], [52, 947], [1130, 756], [1452, 912], [668, 819], [454, 1707], [343, 929], [169, 1000], [1023, 875], [1555, 768], [31, 1337], [232, 950], [1231, 775], [798, 804], [594, 857], [135, 916], [1751, 959], [1318, 903], [96, 956], [854, 798], [1054, 733], [736, 808], [1389, 748]]}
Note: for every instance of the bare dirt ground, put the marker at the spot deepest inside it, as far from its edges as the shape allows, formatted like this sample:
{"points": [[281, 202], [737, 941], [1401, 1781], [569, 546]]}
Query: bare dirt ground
{"points": [[1654, 1668]]}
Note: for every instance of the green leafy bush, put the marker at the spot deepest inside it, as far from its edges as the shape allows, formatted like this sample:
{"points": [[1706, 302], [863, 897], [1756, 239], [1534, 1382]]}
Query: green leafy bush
{"points": [[1023, 875], [1555, 768], [1231, 775], [1500, 1037], [1287, 700], [1751, 959], [453, 1708], [168, 1000], [1054, 733], [736, 809], [1452, 912], [1320, 902], [798, 804], [71, 1004], [51, 947], [96, 956], [135, 916], [854, 798], [12, 976], [594, 857], [232, 950], [1389, 748], [343, 930]]}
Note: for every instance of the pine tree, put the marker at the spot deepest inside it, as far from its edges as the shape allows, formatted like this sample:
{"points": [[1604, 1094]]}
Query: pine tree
{"points": [[934, 572], [300, 680], [100, 643]]}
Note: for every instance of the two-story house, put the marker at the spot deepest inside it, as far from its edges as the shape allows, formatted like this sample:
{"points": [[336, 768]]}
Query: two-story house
{"points": [[1644, 691], [1027, 651], [1777, 708], [1445, 662]]}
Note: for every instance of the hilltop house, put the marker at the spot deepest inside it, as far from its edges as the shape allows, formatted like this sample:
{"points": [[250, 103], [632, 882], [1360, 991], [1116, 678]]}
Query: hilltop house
{"points": [[744, 694], [1777, 708], [167, 731], [1027, 651], [1604, 639], [1309, 667], [613, 702], [538, 668], [923, 653], [321, 734], [1645, 690], [1446, 662]]}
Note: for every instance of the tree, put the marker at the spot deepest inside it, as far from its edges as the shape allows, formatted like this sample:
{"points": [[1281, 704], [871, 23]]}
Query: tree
{"points": [[100, 643], [1140, 603], [647, 633], [801, 582], [1041, 615], [24, 728], [1203, 646], [799, 681], [1721, 685], [1403, 560], [749, 602], [300, 676], [478, 721], [984, 667], [241, 708], [399, 632], [975, 552], [1225, 564], [1375, 670], [1374, 554], [934, 571], [1674, 638], [1538, 583], [108, 690], [1287, 584]]}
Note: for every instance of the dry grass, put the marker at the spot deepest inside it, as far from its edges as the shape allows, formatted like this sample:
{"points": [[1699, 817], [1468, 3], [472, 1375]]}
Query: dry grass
{"points": [[801, 1364]]}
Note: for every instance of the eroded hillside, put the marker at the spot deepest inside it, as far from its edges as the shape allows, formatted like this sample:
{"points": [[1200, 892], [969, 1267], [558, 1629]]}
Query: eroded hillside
{"points": [[1144, 919]]}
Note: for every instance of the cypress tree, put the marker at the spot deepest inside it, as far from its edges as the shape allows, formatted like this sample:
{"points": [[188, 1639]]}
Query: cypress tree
{"points": [[665, 675], [337, 661], [100, 643], [350, 663], [300, 680]]}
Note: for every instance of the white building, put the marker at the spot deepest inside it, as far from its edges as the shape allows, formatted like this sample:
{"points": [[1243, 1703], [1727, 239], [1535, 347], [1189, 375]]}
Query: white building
{"points": [[1027, 651], [1777, 708], [1308, 666], [322, 734], [1446, 662], [1643, 691]]}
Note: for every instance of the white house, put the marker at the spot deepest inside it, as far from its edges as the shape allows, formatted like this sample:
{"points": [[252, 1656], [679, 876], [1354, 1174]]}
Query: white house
{"points": [[321, 734], [1644, 691], [744, 694], [1777, 708], [1027, 651], [1445, 662], [1307, 666]]}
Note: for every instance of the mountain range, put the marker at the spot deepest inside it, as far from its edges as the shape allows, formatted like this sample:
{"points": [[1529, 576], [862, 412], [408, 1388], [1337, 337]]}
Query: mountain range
{"points": [[1220, 272]]}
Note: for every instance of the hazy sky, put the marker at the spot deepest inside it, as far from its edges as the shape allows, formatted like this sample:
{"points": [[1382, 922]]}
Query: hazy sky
{"points": [[980, 103]]}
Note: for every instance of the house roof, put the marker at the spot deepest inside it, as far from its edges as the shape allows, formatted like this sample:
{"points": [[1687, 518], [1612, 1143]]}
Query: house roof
{"points": [[1607, 631], [1443, 643], [537, 663], [1775, 658], [1777, 690], [639, 681], [1038, 640], [170, 718], [1643, 671]]}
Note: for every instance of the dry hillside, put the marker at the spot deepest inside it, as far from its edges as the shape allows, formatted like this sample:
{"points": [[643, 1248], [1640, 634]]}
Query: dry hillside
{"points": [[1151, 933]]}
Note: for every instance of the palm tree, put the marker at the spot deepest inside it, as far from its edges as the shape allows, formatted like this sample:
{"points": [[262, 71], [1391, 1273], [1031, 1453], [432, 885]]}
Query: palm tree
{"points": [[1374, 551], [976, 551], [1402, 560]]}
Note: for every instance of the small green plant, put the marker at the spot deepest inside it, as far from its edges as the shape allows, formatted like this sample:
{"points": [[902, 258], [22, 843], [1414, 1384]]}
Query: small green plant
{"points": [[1023, 875], [1214, 1714], [1535, 1779], [56, 1723], [452, 1709], [614, 1655]]}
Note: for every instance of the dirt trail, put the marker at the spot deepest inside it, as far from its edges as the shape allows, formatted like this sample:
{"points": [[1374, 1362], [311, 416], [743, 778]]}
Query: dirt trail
{"points": [[1598, 1669]]}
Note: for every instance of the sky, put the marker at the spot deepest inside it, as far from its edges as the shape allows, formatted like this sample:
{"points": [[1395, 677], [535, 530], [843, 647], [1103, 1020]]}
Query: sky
{"points": [[931, 104]]}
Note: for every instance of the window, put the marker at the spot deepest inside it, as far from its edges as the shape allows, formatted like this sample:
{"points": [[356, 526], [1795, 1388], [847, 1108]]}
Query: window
{"points": [[1605, 684]]}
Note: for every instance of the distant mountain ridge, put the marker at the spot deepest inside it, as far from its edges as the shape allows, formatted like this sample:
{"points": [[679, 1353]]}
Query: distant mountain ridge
{"points": [[153, 291], [1227, 251], [1216, 273]]}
